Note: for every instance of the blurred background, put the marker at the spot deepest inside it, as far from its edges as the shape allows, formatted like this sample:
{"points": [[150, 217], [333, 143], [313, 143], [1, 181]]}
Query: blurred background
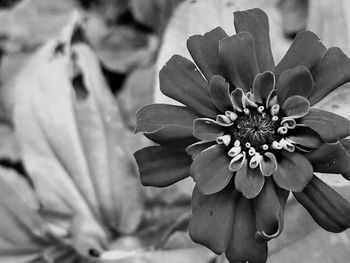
{"points": [[133, 39]]}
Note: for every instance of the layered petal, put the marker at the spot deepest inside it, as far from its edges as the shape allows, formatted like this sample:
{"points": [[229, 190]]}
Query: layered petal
{"points": [[296, 106], [212, 218], [295, 81], [205, 51], [331, 127], [194, 149], [329, 209], [294, 171], [330, 158], [238, 57], [166, 124], [332, 72], [305, 137], [243, 246], [220, 93], [269, 211], [162, 166], [263, 84], [306, 50], [206, 129], [249, 181], [210, 170], [256, 22], [180, 80]]}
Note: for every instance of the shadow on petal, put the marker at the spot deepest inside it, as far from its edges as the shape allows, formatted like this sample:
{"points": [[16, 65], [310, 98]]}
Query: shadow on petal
{"points": [[220, 93], [263, 84], [206, 129]]}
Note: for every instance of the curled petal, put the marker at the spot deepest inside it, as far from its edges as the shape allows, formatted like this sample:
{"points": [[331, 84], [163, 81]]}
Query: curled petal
{"points": [[162, 166], [180, 80], [237, 161], [238, 56], [296, 81], [288, 122], [210, 170], [305, 137], [332, 72], [212, 219], [206, 129], [238, 99], [224, 120], [271, 99], [296, 106], [306, 50], [263, 84], [268, 164], [294, 172], [269, 210], [220, 93], [164, 123], [256, 22], [329, 209], [331, 127], [205, 51], [196, 148], [330, 158], [243, 246], [249, 181]]}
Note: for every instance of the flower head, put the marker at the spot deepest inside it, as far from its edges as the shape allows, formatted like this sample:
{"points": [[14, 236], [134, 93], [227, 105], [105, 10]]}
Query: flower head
{"points": [[252, 133]]}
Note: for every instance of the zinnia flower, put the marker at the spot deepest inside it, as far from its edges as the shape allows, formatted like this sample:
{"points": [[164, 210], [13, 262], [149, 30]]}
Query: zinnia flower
{"points": [[253, 135]]}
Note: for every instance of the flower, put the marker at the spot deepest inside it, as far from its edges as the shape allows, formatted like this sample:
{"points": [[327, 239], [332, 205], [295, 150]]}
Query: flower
{"points": [[248, 135]]}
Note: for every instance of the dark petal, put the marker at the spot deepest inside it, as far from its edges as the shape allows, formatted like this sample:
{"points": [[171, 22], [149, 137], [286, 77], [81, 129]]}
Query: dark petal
{"points": [[294, 171], [165, 124], [263, 84], [269, 210], [181, 81], [305, 137], [332, 72], [331, 127], [296, 106], [256, 22], [306, 50], [206, 129], [196, 148], [330, 158], [296, 81], [162, 166], [205, 51], [243, 246], [212, 219], [328, 208], [237, 54], [210, 170], [249, 181], [220, 93]]}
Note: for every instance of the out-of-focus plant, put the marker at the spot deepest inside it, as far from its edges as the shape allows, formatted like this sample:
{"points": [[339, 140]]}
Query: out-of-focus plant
{"points": [[249, 135]]}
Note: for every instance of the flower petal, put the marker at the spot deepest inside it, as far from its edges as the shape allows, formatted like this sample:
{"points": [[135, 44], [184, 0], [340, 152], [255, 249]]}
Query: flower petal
{"points": [[328, 208], [165, 124], [332, 72], [238, 56], [238, 99], [306, 50], [210, 170], [220, 93], [162, 166], [269, 211], [268, 164], [256, 22], [243, 246], [205, 51], [296, 106], [305, 137], [331, 127], [249, 181], [296, 81], [212, 219], [263, 84], [330, 158], [181, 81], [196, 148], [206, 129], [294, 172]]}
